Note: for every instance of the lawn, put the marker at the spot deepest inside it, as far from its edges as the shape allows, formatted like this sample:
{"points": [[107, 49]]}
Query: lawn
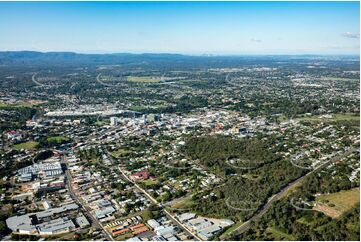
{"points": [[144, 79], [335, 204], [29, 145]]}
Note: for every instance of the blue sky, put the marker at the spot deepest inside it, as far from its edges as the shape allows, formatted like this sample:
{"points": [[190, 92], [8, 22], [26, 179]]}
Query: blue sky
{"points": [[182, 27]]}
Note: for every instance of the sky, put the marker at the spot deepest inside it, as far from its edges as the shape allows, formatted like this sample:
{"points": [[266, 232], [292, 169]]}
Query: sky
{"points": [[221, 28]]}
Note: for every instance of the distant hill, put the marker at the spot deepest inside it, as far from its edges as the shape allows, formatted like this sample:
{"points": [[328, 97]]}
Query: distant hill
{"points": [[70, 58]]}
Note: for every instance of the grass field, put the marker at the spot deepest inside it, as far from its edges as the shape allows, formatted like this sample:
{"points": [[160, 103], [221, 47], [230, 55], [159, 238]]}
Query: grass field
{"points": [[57, 139], [29, 145], [144, 79], [150, 182], [102, 123], [17, 105], [120, 153], [337, 79], [335, 117], [335, 204], [184, 203]]}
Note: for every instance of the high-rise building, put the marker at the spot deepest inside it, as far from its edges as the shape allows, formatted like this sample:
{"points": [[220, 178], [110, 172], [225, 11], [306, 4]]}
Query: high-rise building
{"points": [[113, 121]]}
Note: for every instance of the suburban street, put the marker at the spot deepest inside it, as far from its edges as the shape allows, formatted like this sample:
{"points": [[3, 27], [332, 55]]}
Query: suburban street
{"points": [[95, 222], [170, 216]]}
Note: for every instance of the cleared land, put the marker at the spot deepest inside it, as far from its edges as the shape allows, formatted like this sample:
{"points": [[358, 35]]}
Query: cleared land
{"points": [[335, 204]]}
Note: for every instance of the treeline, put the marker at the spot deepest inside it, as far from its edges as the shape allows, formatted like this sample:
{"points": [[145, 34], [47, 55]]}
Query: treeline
{"points": [[310, 224], [242, 195], [305, 225], [214, 151], [14, 117]]}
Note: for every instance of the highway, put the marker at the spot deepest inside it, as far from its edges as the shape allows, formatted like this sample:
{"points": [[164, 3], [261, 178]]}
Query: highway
{"points": [[246, 225]]}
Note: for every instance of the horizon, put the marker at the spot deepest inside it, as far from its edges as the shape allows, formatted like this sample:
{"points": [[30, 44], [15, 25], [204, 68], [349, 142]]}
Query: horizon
{"points": [[187, 28], [182, 54]]}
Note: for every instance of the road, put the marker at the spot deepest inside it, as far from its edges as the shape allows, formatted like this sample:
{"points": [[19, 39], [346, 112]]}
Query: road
{"points": [[246, 225], [170, 216], [89, 215]]}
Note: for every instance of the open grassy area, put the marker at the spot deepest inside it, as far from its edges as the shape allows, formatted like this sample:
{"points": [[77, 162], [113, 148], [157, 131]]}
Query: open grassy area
{"points": [[29, 145], [335, 117], [230, 230], [144, 79], [123, 237], [279, 235], [184, 203], [335, 204], [57, 139], [303, 220], [102, 123], [150, 182], [337, 79], [120, 153], [16, 105]]}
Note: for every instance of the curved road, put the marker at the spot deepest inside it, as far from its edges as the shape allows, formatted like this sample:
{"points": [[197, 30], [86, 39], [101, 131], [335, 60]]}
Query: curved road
{"points": [[246, 225]]}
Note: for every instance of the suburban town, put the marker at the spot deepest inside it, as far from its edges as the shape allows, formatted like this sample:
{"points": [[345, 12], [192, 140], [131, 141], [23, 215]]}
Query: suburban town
{"points": [[180, 121], [133, 170]]}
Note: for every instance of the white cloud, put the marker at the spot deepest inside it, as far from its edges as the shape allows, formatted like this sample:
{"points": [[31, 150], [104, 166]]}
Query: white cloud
{"points": [[256, 40], [351, 35]]}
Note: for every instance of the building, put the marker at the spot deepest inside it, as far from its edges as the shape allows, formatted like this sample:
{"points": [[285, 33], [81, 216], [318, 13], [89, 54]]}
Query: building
{"points": [[41, 170], [142, 175], [15, 135], [82, 221], [153, 118], [104, 212], [56, 226], [153, 223], [209, 231], [114, 121], [186, 216], [43, 223]]}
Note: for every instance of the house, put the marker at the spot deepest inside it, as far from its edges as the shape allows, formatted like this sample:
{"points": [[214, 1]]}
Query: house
{"points": [[15, 135], [142, 175]]}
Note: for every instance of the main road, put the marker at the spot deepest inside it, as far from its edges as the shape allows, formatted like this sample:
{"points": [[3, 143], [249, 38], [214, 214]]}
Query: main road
{"points": [[246, 225]]}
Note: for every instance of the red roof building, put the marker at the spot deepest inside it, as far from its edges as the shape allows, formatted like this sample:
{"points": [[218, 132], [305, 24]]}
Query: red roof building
{"points": [[142, 175]]}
